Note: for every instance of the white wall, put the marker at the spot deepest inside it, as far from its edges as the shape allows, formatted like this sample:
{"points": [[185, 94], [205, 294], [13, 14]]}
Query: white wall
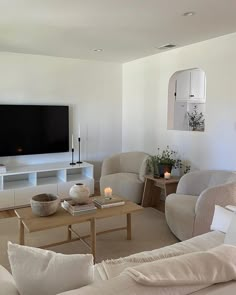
{"points": [[92, 90], [145, 99]]}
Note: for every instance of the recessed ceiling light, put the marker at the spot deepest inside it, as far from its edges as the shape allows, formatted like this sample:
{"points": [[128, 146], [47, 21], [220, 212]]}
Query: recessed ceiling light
{"points": [[189, 13], [98, 50], [167, 46]]}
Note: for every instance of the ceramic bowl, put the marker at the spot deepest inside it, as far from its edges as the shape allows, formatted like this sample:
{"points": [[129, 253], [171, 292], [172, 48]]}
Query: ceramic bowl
{"points": [[44, 204]]}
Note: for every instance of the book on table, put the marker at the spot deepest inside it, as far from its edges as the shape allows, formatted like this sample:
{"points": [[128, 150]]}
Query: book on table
{"points": [[77, 209], [107, 202]]}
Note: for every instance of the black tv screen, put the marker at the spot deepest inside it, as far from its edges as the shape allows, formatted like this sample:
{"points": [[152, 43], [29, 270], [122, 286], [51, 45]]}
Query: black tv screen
{"points": [[33, 129]]}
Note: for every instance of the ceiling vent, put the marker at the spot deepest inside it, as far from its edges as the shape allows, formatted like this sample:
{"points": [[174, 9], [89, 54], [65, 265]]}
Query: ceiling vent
{"points": [[167, 46]]}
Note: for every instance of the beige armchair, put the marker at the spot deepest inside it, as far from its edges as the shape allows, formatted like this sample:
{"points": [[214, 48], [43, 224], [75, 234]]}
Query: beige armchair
{"points": [[124, 173], [190, 210]]}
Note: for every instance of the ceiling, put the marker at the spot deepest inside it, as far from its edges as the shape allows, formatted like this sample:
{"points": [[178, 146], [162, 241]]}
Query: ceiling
{"points": [[124, 29]]}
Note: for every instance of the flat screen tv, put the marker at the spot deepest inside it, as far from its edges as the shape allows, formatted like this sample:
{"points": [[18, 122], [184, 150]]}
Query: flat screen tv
{"points": [[33, 129]]}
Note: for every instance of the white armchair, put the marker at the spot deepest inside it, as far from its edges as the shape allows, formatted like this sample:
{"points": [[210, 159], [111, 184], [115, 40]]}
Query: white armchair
{"points": [[124, 173], [190, 210]]}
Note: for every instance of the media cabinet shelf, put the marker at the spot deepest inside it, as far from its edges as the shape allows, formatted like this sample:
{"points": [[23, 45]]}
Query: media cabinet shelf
{"points": [[18, 185]]}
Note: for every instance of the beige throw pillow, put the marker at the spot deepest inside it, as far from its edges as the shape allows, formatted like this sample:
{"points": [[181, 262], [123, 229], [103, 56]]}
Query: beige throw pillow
{"points": [[221, 219], [38, 271]]}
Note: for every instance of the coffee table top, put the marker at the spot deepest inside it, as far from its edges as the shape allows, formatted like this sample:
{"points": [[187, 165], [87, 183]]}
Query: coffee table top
{"points": [[35, 223]]}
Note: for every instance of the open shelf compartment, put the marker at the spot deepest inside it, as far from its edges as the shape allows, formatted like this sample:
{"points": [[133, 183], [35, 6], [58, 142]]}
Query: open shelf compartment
{"points": [[17, 181], [74, 174], [51, 177]]}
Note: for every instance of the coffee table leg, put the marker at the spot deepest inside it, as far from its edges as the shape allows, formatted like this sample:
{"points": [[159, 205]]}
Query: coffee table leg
{"points": [[69, 233], [128, 226], [93, 237], [21, 232]]}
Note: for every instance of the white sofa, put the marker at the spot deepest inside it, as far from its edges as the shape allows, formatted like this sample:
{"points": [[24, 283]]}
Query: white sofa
{"points": [[124, 173], [123, 284], [190, 210]]}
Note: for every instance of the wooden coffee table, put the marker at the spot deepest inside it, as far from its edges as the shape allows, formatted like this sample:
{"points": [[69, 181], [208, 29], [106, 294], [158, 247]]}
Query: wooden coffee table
{"points": [[32, 223]]}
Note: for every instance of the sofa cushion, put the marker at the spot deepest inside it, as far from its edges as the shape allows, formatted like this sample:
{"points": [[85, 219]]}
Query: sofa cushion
{"points": [[121, 284], [180, 214], [7, 283], [38, 271]]}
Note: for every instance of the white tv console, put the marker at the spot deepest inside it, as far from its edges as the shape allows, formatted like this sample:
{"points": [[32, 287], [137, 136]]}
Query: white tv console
{"points": [[18, 185]]}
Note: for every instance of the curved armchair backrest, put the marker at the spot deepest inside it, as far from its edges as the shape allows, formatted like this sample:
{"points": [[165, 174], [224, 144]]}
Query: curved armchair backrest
{"points": [[129, 162], [194, 183]]}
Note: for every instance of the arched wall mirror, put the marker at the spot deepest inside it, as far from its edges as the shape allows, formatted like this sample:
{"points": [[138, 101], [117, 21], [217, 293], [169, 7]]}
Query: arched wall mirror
{"points": [[186, 100]]}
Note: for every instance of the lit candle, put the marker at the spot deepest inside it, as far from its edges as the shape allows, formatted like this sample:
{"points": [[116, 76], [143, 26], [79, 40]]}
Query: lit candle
{"points": [[79, 131], [72, 141], [167, 175], [108, 192]]}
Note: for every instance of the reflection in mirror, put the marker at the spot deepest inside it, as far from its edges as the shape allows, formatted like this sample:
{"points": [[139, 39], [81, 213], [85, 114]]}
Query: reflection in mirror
{"points": [[186, 100]]}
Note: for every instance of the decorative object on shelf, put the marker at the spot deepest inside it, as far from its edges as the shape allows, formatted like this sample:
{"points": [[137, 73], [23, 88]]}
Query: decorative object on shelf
{"points": [[72, 151], [72, 163], [79, 192], [196, 120], [163, 162], [107, 192], [167, 175], [79, 161], [44, 204]]}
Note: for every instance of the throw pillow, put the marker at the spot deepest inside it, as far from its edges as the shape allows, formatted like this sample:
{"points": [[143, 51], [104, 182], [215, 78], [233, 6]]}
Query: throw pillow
{"points": [[37, 271], [221, 219], [230, 237], [231, 208]]}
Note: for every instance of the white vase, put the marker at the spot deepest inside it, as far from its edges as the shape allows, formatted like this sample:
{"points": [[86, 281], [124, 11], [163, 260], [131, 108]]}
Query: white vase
{"points": [[79, 192]]}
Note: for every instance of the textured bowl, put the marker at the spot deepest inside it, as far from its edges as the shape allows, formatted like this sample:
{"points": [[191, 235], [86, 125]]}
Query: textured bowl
{"points": [[44, 204]]}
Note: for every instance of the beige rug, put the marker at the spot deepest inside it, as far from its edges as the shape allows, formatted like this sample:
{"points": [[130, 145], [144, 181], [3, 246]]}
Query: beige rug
{"points": [[149, 231]]}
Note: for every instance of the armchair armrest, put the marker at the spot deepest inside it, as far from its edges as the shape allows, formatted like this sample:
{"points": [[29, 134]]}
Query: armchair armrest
{"points": [[221, 195], [111, 165]]}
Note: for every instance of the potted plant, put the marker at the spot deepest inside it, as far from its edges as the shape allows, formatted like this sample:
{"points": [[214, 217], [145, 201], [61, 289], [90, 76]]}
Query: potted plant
{"points": [[163, 162], [196, 120]]}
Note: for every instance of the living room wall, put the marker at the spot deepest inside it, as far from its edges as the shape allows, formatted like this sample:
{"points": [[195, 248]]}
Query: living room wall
{"points": [[145, 99], [91, 89]]}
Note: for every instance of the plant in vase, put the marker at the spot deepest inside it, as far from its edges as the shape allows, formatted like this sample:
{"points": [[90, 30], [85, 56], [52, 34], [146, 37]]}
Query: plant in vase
{"points": [[163, 162], [196, 120]]}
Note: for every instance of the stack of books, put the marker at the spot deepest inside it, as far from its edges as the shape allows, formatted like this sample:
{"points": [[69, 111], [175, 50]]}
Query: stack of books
{"points": [[3, 168], [107, 202], [77, 209]]}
